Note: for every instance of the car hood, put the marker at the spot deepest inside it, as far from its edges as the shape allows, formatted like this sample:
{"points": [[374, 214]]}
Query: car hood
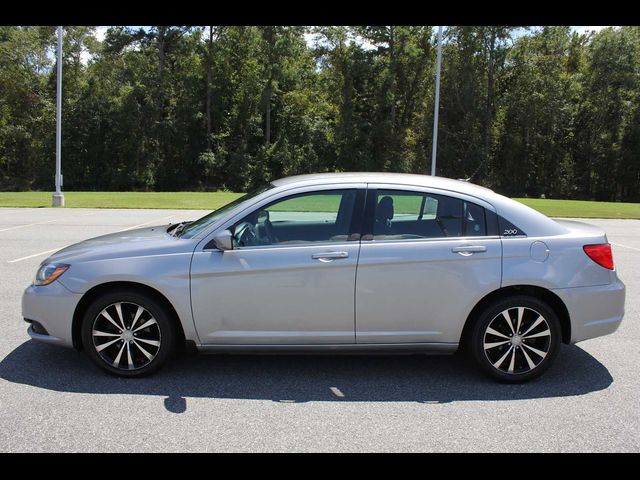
{"points": [[131, 243]]}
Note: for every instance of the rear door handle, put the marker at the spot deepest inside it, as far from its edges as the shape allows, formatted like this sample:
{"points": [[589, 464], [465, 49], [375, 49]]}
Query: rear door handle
{"points": [[329, 256], [467, 250]]}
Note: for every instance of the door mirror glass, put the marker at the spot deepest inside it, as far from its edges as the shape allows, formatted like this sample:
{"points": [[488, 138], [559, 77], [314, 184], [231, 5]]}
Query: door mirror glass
{"points": [[222, 240]]}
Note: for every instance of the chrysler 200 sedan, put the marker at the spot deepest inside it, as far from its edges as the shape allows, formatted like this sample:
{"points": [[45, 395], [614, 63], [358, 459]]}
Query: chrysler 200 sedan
{"points": [[339, 263]]}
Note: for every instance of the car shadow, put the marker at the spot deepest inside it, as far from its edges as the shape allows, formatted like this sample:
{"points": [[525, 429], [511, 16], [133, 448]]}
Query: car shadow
{"points": [[303, 378]]}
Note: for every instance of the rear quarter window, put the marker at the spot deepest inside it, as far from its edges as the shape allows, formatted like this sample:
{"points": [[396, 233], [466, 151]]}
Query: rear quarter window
{"points": [[508, 229], [475, 224]]}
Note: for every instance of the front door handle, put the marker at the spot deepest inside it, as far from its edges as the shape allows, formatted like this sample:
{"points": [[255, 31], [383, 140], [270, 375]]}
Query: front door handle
{"points": [[329, 256], [467, 250]]}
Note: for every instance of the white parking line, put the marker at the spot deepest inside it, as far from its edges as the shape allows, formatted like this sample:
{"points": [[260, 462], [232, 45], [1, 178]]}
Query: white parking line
{"points": [[147, 223], [625, 246], [35, 255], [25, 226], [39, 223], [60, 248]]}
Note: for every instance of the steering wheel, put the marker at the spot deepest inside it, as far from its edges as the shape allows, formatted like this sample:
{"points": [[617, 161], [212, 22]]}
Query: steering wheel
{"points": [[246, 235]]}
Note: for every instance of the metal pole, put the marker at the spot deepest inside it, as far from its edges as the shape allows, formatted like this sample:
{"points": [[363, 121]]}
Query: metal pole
{"points": [[58, 196], [437, 104]]}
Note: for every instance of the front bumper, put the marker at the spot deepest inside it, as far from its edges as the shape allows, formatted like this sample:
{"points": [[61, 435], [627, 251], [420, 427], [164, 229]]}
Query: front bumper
{"points": [[594, 311], [52, 306]]}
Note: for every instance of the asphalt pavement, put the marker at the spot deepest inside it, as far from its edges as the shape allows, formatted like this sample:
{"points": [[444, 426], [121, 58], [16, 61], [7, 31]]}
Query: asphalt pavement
{"points": [[54, 400]]}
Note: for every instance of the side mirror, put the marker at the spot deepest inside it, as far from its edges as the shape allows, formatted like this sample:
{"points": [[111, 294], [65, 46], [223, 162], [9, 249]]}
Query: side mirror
{"points": [[223, 240]]}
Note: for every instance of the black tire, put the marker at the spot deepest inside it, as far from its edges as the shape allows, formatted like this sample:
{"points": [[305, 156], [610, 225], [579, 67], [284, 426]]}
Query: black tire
{"points": [[133, 359], [520, 354]]}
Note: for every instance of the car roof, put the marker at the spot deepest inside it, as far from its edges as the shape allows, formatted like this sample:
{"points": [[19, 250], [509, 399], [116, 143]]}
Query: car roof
{"points": [[384, 177]]}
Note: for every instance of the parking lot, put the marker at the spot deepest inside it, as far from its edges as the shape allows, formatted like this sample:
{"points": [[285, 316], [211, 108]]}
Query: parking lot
{"points": [[54, 399]]}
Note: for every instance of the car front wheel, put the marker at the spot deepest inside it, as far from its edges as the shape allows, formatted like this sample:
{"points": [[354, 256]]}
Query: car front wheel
{"points": [[128, 333], [516, 339]]}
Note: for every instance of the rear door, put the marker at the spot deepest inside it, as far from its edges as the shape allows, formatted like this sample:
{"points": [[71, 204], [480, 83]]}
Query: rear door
{"points": [[426, 258]]}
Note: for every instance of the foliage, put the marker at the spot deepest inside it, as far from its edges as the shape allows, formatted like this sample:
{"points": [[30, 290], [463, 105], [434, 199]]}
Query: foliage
{"points": [[550, 112]]}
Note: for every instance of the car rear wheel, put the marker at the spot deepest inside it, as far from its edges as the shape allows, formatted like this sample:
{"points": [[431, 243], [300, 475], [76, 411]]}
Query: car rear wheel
{"points": [[128, 334], [516, 339]]}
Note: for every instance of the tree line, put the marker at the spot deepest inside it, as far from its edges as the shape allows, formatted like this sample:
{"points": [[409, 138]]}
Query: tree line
{"points": [[527, 111]]}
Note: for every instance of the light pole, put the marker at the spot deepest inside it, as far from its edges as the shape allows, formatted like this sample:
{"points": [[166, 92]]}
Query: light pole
{"points": [[58, 196], [437, 104]]}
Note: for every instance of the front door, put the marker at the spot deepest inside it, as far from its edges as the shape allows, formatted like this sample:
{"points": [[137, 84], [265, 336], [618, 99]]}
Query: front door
{"points": [[290, 277], [425, 261]]}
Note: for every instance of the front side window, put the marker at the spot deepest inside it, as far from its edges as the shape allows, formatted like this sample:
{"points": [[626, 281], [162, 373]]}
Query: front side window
{"points": [[314, 217], [403, 215]]}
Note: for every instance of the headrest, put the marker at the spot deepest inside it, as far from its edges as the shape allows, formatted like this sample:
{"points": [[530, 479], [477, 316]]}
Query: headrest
{"points": [[384, 211]]}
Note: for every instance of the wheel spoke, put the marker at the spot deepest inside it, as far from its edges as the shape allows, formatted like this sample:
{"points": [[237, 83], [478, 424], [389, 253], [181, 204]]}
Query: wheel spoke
{"points": [[129, 359], [529, 361], [116, 362], [534, 325], [120, 317], [155, 343], [488, 346], [97, 333], [137, 316], [106, 315], [502, 358], [507, 319], [513, 360], [496, 333], [146, 354], [99, 348], [520, 314], [148, 323], [539, 334], [535, 350]]}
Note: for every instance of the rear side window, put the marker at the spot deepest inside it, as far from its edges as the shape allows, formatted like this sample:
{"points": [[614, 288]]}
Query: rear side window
{"points": [[403, 215]]}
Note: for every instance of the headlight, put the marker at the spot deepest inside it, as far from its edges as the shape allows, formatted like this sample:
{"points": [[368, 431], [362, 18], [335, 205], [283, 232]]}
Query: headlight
{"points": [[48, 273]]}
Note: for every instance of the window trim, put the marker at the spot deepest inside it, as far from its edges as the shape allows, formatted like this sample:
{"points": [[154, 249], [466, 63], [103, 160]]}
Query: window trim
{"points": [[434, 239]]}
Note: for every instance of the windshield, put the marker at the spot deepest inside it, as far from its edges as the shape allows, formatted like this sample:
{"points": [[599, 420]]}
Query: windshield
{"points": [[203, 223]]}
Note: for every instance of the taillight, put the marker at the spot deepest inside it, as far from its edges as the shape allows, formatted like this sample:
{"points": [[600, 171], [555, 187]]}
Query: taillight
{"points": [[601, 254]]}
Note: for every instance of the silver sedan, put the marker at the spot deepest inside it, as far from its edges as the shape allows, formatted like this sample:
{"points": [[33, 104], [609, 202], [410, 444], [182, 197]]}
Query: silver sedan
{"points": [[340, 263]]}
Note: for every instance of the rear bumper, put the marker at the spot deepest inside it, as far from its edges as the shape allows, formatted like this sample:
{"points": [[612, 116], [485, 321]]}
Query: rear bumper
{"points": [[52, 306], [594, 311]]}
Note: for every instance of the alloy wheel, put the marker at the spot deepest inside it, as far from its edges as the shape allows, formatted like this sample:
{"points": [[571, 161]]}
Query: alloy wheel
{"points": [[517, 340], [126, 336]]}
